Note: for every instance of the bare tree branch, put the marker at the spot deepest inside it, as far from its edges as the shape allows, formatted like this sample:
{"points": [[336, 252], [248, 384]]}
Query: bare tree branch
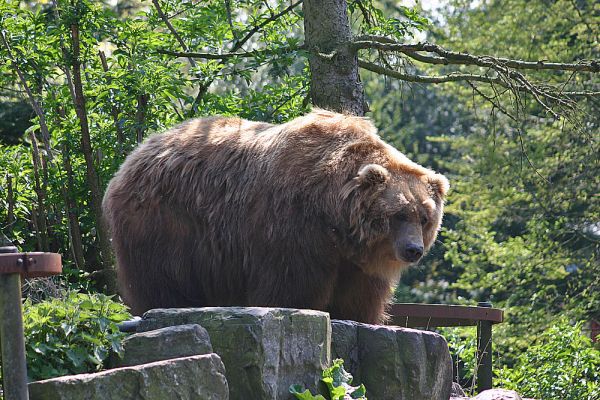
{"points": [[451, 57], [114, 110], [455, 77], [230, 19], [506, 71], [207, 56], [238, 45], [178, 37], [491, 100], [225, 56]]}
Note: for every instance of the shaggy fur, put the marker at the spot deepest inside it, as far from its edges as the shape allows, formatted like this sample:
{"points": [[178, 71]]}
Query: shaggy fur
{"points": [[309, 214]]}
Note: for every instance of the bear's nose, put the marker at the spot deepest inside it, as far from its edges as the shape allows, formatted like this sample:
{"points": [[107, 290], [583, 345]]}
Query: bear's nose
{"points": [[413, 252]]}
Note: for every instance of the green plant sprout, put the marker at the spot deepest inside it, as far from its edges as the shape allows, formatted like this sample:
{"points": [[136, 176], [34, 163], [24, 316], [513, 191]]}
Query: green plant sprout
{"points": [[338, 382]]}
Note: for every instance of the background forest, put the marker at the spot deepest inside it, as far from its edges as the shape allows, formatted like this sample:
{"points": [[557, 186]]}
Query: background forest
{"points": [[83, 82]]}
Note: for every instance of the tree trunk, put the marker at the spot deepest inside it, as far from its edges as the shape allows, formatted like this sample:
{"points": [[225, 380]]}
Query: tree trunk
{"points": [[10, 199], [36, 227], [34, 103], [91, 174], [335, 82], [114, 111], [140, 116], [74, 231], [40, 215], [50, 210]]}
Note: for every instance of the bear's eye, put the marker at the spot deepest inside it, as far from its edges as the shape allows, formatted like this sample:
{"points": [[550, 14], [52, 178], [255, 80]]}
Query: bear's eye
{"points": [[424, 220], [399, 217]]}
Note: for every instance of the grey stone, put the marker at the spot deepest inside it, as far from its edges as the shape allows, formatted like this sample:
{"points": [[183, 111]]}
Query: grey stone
{"points": [[265, 350], [164, 344], [344, 345], [190, 378], [498, 394], [457, 390], [393, 362]]}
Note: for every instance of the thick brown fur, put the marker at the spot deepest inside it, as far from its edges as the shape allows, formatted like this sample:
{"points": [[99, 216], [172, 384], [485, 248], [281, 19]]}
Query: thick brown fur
{"points": [[223, 212]]}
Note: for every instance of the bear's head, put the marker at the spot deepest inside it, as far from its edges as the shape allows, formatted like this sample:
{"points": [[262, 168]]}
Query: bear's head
{"points": [[395, 209]]}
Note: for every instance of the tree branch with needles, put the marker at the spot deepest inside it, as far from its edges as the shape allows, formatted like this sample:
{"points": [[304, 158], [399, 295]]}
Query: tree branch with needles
{"points": [[455, 77], [500, 71]]}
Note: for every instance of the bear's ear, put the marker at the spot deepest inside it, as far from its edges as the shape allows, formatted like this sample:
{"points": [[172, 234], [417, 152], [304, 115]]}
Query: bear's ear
{"points": [[372, 175], [439, 184], [369, 176]]}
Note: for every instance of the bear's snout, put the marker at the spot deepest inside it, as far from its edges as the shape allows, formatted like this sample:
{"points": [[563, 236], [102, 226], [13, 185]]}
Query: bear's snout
{"points": [[412, 252], [409, 246]]}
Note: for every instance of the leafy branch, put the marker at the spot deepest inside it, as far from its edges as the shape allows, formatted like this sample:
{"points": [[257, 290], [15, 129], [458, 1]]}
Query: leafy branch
{"points": [[34, 103], [171, 28], [233, 53], [274, 17]]}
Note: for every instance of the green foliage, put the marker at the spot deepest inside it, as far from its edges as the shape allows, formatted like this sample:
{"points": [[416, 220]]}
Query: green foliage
{"points": [[522, 215], [339, 385], [304, 394], [521, 224], [521, 220], [402, 23], [462, 342], [560, 364], [72, 334], [139, 90], [14, 121]]}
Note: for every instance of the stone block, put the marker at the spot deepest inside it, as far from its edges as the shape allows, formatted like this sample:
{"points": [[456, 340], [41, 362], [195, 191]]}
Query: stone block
{"points": [[164, 344], [190, 378], [393, 362], [265, 350], [498, 394]]}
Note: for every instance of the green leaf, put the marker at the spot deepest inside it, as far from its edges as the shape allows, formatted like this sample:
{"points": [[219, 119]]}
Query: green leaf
{"points": [[77, 357], [304, 394], [359, 393]]}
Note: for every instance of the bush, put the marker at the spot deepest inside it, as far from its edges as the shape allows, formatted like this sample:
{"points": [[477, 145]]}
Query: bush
{"points": [[562, 364], [72, 334], [462, 343]]}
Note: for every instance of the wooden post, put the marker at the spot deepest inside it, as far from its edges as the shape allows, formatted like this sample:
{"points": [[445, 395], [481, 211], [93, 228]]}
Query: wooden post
{"points": [[13, 265], [484, 353], [14, 371]]}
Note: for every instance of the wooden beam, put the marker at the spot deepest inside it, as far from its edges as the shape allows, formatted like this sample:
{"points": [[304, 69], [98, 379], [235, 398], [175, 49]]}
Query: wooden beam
{"points": [[412, 315]]}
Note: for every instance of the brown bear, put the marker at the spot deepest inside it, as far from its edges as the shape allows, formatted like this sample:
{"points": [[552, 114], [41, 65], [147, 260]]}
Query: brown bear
{"points": [[316, 213]]}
